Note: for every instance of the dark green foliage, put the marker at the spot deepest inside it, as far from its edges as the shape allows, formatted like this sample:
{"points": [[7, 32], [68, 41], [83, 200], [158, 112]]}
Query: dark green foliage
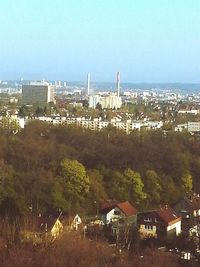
{"points": [[47, 168]]}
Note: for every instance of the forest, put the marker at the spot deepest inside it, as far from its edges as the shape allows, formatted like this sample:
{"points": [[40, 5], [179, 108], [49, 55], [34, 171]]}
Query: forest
{"points": [[46, 168]]}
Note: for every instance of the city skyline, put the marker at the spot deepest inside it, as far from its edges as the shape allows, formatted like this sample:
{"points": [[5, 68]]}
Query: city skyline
{"points": [[147, 41]]}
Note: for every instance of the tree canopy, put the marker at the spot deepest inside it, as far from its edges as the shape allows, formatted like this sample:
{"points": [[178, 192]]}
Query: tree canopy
{"points": [[50, 168]]}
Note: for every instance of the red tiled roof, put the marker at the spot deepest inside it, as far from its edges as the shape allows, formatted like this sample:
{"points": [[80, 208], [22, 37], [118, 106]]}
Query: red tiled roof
{"points": [[167, 214], [108, 203], [127, 208]]}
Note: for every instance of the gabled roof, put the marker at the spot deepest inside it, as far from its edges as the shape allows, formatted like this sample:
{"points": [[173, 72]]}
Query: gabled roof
{"points": [[108, 203], [46, 223], [125, 207], [167, 214]]}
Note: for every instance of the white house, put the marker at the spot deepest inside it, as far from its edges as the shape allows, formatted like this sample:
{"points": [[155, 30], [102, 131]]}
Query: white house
{"points": [[76, 222], [114, 212]]}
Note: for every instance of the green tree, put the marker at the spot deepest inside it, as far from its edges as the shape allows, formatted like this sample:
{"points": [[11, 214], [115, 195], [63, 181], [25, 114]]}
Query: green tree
{"points": [[75, 181], [6, 182], [117, 186], [97, 192], [187, 183], [152, 187], [135, 186], [23, 111], [11, 207], [96, 185], [171, 192], [39, 111], [57, 197], [98, 106]]}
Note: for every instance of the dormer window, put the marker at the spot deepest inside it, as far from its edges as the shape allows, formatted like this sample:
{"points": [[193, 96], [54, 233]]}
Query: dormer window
{"points": [[148, 219]]}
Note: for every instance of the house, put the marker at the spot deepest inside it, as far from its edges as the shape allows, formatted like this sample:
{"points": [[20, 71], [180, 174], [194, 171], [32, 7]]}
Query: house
{"points": [[76, 222], [115, 211], [189, 209], [51, 226], [71, 222], [42, 229], [160, 223]]}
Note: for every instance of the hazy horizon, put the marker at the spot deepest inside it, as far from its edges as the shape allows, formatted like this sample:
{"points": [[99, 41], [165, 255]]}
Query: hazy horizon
{"points": [[148, 41]]}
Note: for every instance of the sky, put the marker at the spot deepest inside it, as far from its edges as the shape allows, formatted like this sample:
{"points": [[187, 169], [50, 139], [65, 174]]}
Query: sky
{"points": [[146, 40]]}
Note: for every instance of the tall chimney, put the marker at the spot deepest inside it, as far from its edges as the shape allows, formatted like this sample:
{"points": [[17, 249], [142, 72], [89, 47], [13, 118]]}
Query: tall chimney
{"points": [[88, 84], [118, 83]]}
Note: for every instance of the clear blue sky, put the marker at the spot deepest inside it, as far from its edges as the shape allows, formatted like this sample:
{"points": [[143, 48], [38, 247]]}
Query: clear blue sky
{"points": [[146, 40]]}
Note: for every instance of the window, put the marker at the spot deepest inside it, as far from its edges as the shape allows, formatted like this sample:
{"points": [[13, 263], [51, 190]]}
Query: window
{"points": [[148, 227], [117, 212], [148, 219]]}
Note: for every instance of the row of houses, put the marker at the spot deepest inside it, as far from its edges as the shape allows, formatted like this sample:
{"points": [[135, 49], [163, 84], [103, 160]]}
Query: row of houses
{"points": [[163, 222], [158, 223], [98, 123], [14, 122]]}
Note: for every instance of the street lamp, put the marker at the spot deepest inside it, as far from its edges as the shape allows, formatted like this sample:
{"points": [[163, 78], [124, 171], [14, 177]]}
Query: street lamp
{"points": [[97, 208]]}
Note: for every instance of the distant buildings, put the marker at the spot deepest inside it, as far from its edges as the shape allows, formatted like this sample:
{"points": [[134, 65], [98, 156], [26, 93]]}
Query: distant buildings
{"points": [[110, 101], [94, 100], [105, 101], [98, 124], [40, 94], [190, 111], [192, 127]]}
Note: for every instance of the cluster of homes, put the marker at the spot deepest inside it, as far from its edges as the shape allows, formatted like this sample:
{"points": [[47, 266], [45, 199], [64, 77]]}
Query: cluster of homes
{"points": [[40, 229], [161, 223]]}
